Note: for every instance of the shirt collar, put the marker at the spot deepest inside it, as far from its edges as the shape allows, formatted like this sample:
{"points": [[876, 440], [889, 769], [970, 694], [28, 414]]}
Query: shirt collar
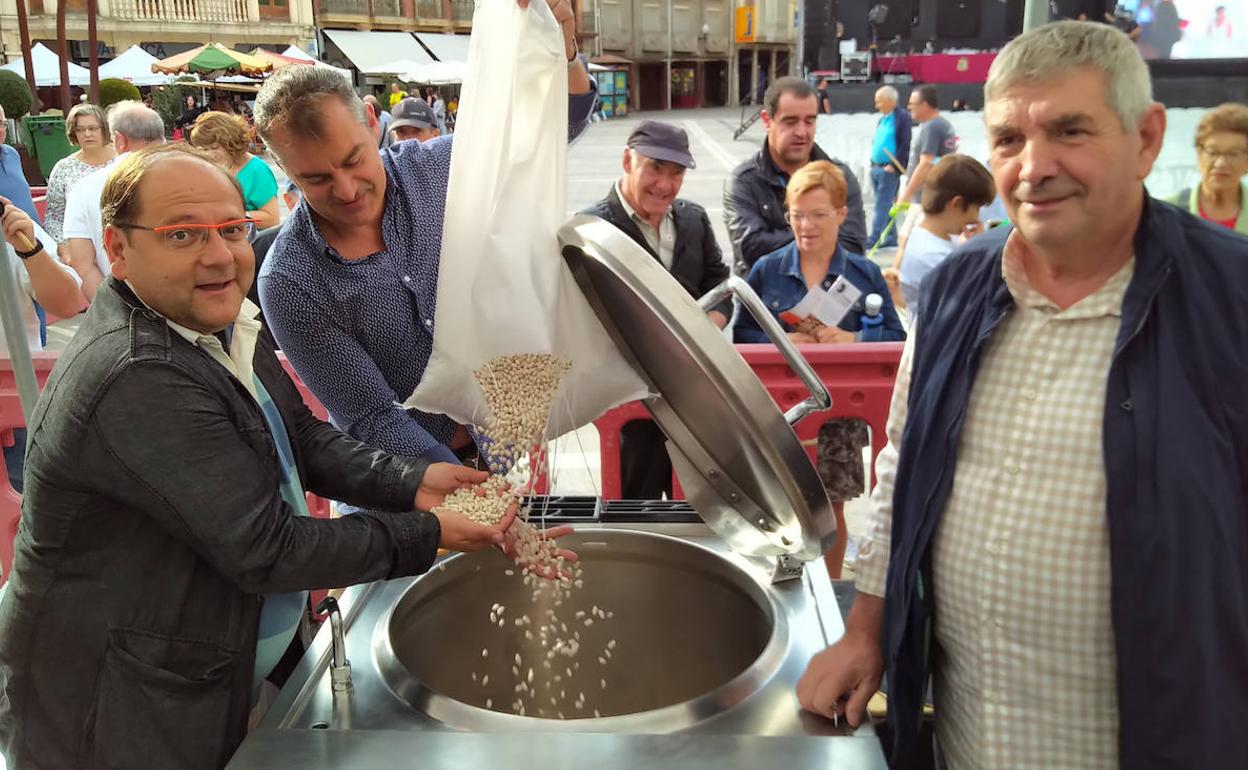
{"points": [[791, 262], [246, 318], [1105, 301], [628, 209]]}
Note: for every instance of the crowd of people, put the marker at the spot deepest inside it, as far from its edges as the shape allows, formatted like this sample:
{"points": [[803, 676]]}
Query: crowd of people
{"points": [[1055, 401]]}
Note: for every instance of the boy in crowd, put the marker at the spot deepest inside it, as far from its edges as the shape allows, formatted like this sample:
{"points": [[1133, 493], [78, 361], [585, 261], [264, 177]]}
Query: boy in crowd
{"points": [[951, 200]]}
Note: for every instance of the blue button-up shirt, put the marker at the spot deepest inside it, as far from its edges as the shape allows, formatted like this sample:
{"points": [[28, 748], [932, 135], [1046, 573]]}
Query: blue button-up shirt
{"points": [[778, 281], [360, 332], [13, 184]]}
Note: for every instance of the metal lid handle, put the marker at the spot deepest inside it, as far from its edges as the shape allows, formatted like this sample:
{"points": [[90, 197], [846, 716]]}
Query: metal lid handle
{"points": [[820, 399]]}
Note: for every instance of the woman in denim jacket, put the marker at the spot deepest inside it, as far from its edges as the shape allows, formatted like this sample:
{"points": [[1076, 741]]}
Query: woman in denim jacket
{"points": [[815, 199]]}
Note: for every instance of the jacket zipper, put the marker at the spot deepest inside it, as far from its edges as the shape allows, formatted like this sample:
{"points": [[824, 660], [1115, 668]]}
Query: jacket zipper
{"points": [[958, 420]]}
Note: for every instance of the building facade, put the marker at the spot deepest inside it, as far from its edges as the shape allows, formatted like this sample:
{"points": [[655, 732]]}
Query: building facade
{"points": [[765, 35], [162, 27], [711, 59]]}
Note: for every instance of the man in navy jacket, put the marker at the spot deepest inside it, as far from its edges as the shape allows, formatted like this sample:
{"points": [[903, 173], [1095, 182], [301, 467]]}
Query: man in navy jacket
{"points": [[1152, 669]]}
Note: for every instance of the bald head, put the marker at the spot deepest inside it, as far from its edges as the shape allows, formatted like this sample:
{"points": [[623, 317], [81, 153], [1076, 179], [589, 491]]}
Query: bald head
{"points": [[134, 126], [175, 230], [886, 99]]}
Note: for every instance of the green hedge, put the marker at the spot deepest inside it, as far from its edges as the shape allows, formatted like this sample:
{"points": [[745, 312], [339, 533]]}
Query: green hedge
{"points": [[14, 94], [113, 90]]}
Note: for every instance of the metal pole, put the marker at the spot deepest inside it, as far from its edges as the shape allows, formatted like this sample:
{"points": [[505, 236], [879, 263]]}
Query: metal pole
{"points": [[62, 51], [1035, 14], [15, 337], [669, 54], [93, 42], [598, 27], [23, 27], [799, 27]]}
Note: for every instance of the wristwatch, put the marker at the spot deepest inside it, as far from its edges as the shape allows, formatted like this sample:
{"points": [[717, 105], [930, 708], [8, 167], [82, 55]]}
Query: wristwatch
{"points": [[28, 254]]}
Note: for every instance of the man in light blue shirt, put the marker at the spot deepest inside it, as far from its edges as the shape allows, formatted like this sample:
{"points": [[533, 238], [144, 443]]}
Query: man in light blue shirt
{"points": [[890, 144], [13, 185]]}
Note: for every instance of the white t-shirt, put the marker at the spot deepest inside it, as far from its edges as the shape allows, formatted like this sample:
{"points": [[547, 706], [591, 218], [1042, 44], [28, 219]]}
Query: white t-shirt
{"points": [[924, 251], [26, 293], [82, 212]]}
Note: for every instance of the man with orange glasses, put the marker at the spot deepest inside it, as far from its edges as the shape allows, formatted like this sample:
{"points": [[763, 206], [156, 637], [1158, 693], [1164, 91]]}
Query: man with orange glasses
{"points": [[165, 547]]}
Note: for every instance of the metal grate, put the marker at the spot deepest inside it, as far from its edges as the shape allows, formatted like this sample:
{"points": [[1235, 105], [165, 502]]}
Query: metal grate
{"points": [[569, 509]]}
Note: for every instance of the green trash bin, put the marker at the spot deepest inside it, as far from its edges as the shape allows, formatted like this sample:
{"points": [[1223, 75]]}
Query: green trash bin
{"points": [[48, 142]]}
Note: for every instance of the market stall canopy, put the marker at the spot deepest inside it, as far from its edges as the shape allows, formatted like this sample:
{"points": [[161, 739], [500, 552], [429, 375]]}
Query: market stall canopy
{"points": [[48, 68], [295, 52], [444, 47], [397, 67], [134, 65], [213, 60], [283, 60], [370, 50], [438, 73]]}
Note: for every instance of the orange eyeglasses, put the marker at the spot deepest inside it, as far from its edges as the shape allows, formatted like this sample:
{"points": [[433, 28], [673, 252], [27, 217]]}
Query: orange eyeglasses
{"points": [[190, 235]]}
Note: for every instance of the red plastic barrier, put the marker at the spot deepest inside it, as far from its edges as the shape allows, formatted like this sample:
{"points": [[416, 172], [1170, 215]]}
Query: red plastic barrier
{"points": [[859, 378], [41, 204]]}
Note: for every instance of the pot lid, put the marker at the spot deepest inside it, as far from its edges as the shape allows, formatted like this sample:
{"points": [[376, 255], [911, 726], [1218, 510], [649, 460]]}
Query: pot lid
{"points": [[739, 462]]}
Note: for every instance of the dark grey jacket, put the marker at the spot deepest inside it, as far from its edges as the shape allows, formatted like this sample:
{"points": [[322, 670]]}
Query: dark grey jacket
{"points": [[151, 524], [754, 209], [697, 263]]}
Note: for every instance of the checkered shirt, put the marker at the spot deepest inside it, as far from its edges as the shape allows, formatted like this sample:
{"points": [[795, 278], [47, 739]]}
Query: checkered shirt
{"points": [[1025, 670]]}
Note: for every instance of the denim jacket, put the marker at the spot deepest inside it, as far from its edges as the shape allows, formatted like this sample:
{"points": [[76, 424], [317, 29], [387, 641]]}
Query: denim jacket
{"points": [[1176, 470], [777, 279], [151, 525]]}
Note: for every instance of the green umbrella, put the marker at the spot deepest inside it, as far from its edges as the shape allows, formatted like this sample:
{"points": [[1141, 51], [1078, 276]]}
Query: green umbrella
{"points": [[213, 60]]}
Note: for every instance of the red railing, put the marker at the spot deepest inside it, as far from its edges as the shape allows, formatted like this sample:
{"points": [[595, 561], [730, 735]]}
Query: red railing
{"points": [[859, 378]]}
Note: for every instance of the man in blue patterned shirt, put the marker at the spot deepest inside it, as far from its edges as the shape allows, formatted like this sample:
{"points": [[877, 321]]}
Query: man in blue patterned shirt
{"points": [[350, 284]]}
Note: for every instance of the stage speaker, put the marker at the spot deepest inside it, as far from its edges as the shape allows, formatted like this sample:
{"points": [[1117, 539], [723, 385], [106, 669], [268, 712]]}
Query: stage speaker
{"points": [[819, 29], [856, 66], [1014, 12], [958, 19], [891, 18]]}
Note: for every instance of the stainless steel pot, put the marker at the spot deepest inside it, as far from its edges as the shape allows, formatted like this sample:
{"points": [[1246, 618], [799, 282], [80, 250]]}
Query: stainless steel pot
{"points": [[690, 636]]}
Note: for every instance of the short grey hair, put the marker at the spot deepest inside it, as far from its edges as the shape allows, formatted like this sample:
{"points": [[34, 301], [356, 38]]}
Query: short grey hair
{"points": [[137, 121], [888, 92], [1064, 46], [291, 98]]}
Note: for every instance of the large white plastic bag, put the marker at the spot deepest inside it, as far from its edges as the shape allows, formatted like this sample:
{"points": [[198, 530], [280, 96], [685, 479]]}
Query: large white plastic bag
{"points": [[503, 288]]}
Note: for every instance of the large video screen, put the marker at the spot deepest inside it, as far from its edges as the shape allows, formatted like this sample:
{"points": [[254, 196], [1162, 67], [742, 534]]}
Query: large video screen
{"points": [[1188, 29]]}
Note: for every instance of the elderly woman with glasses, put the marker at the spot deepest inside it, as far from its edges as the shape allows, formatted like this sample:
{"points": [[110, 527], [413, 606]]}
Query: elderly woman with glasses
{"points": [[816, 201], [88, 131], [1222, 151]]}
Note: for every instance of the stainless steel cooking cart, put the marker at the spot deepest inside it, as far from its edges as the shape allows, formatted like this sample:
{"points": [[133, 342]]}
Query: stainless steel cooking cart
{"points": [[714, 615]]}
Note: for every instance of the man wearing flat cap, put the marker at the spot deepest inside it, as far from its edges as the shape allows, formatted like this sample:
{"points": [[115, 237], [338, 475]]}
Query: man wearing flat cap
{"points": [[643, 204], [413, 118]]}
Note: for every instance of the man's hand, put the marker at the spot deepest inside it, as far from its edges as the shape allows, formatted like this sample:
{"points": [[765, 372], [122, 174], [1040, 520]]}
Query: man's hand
{"points": [[441, 479], [460, 533], [834, 335], [718, 318], [562, 10], [19, 230], [518, 529], [850, 669], [801, 339]]}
